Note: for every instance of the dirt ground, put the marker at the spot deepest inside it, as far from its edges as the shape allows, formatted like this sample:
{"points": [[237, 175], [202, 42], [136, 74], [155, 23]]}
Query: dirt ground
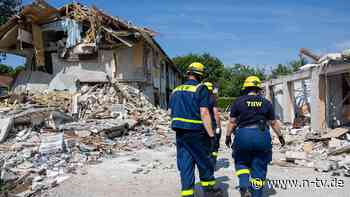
{"points": [[153, 173]]}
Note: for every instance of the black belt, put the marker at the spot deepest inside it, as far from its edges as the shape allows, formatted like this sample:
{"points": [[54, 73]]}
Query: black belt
{"points": [[253, 126]]}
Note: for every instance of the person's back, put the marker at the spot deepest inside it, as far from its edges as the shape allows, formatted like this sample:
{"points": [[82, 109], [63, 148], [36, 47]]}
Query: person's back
{"points": [[190, 119], [185, 106], [251, 109], [252, 148]]}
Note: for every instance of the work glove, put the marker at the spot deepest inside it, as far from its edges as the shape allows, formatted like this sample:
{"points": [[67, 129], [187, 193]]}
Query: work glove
{"points": [[228, 141], [282, 141]]}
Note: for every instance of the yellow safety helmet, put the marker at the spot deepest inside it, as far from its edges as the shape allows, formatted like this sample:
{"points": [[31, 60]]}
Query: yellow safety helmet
{"points": [[209, 85], [196, 68], [252, 81]]}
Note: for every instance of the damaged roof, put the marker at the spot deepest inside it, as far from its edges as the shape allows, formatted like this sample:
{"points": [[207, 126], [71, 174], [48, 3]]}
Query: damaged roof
{"points": [[99, 28], [40, 12]]}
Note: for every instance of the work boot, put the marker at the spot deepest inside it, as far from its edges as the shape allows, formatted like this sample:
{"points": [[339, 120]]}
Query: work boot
{"points": [[245, 192], [213, 192]]}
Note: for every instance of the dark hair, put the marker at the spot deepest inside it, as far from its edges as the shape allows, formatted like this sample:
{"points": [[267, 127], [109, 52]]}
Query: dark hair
{"points": [[247, 90], [197, 76]]}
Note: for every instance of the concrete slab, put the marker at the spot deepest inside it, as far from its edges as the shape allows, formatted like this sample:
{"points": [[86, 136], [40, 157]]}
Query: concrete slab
{"points": [[6, 125]]}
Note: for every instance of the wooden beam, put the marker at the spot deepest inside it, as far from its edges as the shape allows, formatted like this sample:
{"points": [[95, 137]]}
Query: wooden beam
{"points": [[334, 69], [111, 32]]}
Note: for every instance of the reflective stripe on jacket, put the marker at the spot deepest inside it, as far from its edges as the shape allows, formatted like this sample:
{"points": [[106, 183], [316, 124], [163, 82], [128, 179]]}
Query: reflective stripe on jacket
{"points": [[185, 109]]}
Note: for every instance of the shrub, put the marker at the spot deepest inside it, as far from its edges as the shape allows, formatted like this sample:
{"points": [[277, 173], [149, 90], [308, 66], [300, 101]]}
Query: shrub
{"points": [[224, 102]]}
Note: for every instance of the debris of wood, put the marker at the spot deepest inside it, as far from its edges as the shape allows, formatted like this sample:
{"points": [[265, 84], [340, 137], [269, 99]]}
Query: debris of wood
{"points": [[345, 149], [335, 133]]}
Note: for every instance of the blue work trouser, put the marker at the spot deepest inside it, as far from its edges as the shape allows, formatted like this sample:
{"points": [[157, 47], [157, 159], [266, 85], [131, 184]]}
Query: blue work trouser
{"points": [[252, 151], [193, 148]]}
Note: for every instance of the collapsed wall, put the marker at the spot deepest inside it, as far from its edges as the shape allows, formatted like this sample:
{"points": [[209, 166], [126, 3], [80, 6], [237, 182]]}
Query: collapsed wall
{"points": [[50, 136]]}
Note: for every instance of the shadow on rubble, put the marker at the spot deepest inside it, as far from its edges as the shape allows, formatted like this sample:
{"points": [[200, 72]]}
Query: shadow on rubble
{"points": [[221, 184], [222, 163]]}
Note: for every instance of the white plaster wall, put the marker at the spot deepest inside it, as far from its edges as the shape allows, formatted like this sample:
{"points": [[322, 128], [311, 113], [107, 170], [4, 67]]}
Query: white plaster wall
{"points": [[66, 74], [278, 101], [127, 68], [103, 62]]}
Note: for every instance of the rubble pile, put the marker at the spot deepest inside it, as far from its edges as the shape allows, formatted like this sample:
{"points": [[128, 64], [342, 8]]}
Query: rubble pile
{"points": [[325, 153], [46, 138]]}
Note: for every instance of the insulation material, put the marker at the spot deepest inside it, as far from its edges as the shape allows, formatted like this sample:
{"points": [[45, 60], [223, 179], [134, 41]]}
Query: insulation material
{"points": [[73, 29], [54, 26], [38, 45]]}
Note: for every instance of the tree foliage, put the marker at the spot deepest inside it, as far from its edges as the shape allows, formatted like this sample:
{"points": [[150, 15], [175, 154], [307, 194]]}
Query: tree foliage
{"points": [[8, 8], [13, 72], [289, 68], [228, 79], [214, 66], [233, 78]]}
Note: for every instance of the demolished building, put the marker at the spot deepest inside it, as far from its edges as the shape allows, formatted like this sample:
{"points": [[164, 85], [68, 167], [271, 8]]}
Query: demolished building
{"points": [[320, 89], [69, 47]]}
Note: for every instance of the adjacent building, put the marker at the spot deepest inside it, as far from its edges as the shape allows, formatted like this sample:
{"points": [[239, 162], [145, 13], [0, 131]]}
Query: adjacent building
{"points": [[319, 92]]}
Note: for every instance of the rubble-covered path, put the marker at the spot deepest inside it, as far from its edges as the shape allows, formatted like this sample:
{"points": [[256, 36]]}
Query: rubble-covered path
{"points": [[154, 173]]}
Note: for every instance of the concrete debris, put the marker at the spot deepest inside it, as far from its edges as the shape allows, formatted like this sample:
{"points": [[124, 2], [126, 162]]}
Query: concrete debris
{"points": [[51, 143], [292, 156], [6, 126], [44, 143], [307, 148], [336, 133]]}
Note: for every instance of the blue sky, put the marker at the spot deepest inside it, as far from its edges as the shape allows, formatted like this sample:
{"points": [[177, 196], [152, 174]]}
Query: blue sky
{"points": [[256, 32]]}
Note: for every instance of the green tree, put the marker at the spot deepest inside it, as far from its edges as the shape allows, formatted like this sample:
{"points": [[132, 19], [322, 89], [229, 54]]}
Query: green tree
{"points": [[8, 8], [281, 70], [13, 72], [16, 71], [214, 66], [296, 64], [290, 68], [4, 69], [233, 78]]}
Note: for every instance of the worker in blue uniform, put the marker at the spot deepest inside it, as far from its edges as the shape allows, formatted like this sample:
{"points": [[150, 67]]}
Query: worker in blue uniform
{"points": [[190, 119], [252, 147], [215, 118]]}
